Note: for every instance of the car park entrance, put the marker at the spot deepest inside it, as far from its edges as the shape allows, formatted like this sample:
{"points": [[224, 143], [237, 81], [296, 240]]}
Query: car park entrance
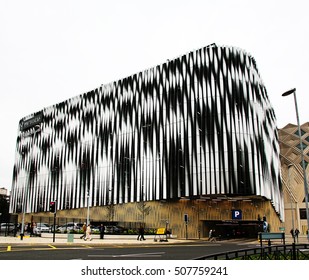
{"points": [[231, 229]]}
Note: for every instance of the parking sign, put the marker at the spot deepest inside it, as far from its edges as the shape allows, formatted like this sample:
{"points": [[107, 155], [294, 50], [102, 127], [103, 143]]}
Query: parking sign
{"points": [[236, 214]]}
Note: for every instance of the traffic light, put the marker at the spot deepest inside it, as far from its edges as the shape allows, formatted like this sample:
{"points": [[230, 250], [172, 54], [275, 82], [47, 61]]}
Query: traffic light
{"points": [[52, 207], [186, 218]]}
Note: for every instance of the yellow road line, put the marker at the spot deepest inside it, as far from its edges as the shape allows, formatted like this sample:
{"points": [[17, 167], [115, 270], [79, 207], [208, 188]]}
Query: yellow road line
{"points": [[51, 246], [86, 246]]}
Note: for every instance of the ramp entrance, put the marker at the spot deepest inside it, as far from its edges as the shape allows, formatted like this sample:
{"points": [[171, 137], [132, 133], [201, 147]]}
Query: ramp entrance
{"points": [[232, 229]]}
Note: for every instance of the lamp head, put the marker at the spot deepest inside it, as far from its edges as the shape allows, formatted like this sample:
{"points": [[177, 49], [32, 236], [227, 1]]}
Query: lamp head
{"points": [[289, 92]]}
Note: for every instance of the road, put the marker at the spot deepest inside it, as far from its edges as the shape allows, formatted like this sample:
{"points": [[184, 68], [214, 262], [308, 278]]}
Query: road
{"points": [[158, 251]]}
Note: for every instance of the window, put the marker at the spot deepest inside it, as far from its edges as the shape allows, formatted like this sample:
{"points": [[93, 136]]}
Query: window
{"points": [[301, 133], [302, 214], [304, 146]]}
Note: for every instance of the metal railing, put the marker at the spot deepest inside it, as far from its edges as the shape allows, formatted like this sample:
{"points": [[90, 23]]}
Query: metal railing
{"points": [[275, 252]]}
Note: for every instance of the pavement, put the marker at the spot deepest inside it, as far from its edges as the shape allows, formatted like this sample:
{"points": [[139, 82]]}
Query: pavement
{"points": [[47, 238]]}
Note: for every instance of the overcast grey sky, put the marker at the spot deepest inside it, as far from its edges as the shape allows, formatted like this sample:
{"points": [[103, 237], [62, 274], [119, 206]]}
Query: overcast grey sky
{"points": [[53, 50]]}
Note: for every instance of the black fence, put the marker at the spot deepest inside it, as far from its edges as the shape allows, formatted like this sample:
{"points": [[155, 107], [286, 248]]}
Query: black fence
{"points": [[275, 252]]}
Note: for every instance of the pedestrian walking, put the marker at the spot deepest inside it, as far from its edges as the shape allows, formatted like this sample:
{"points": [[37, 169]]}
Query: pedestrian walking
{"points": [[29, 229], [34, 230], [84, 228], [292, 233], [102, 228], [141, 233], [209, 235], [213, 236], [296, 233], [88, 233]]}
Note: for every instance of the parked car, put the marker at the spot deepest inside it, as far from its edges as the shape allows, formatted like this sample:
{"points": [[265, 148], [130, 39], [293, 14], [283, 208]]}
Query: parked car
{"points": [[115, 229], [70, 226], [51, 228], [37, 231], [42, 227], [7, 227], [95, 229]]}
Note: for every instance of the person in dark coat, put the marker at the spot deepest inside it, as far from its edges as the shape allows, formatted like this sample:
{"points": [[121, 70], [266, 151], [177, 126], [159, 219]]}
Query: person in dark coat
{"points": [[84, 228], [102, 228], [213, 236], [141, 233], [296, 233], [292, 233]]}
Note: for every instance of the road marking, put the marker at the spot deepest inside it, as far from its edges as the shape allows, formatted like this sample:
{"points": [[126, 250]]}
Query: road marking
{"points": [[9, 248], [86, 246], [141, 255], [52, 246], [202, 245]]}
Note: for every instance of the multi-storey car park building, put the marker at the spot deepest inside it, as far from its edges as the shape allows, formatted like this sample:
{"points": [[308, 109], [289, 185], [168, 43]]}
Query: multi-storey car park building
{"points": [[190, 144]]}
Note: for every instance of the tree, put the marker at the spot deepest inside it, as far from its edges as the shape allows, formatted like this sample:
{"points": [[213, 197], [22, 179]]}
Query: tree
{"points": [[144, 209], [4, 209], [110, 212]]}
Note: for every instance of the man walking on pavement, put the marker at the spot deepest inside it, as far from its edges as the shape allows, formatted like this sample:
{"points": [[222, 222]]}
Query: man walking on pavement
{"points": [[84, 228], [141, 233], [88, 233], [296, 233], [213, 236]]}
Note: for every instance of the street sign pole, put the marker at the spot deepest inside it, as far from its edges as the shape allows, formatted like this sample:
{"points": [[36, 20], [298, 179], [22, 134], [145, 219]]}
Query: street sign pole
{"points": [[54, 231], [54, 203], [186, 219]]}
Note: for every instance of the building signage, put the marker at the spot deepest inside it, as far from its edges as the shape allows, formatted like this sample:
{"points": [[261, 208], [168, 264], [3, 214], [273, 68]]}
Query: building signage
{"points": [[37, 119], [236, 214]]}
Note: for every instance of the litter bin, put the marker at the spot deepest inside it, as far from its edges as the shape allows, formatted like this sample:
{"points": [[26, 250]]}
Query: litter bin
{"points": [[70, 237]]}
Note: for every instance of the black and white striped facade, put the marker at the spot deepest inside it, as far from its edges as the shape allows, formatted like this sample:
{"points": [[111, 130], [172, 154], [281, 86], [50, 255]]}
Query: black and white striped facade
{"points": [[197, 125]]}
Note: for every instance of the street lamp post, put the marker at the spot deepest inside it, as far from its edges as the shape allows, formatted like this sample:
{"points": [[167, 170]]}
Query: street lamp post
{"points": [[302, 155], [292, 210], [88, 216], [22, 230]]}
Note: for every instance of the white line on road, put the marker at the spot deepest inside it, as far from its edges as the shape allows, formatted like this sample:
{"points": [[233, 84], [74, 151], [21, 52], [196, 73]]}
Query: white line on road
{"points": [[141, 255]]}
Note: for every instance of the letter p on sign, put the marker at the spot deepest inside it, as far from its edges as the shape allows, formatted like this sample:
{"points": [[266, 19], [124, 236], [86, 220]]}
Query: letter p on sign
{"points": [[236, 214]]}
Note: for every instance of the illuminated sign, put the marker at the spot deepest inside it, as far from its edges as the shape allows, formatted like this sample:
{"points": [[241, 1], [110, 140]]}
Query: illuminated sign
{"points": [[37, 119], [236, 214]]}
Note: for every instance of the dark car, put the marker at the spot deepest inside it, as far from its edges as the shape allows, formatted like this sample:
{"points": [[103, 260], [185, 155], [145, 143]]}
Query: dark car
{"points": [[115, 229], [51, 228], [7, 227]]}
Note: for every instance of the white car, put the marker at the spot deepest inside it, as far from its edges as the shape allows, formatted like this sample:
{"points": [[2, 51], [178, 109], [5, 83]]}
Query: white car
{"points": [[69, 227], [42, 227]]}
